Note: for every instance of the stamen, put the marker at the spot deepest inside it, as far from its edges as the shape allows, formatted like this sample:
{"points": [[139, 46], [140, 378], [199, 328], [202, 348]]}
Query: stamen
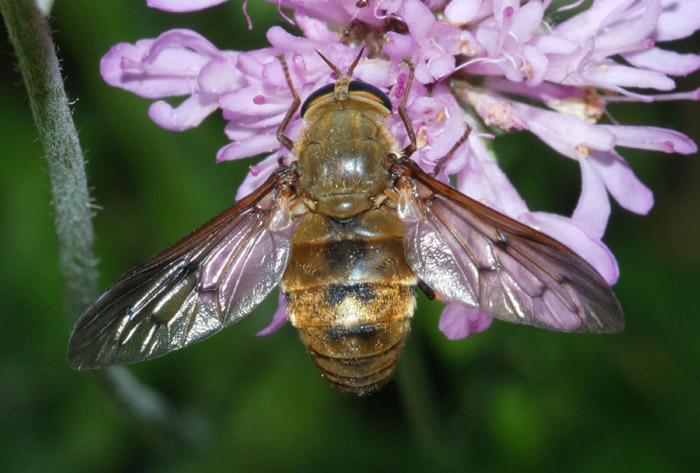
{"points": [[478, 59], [571, 6], [279, 9], [376, 10], [512, 60], [247, 16], [690, 95], [610, 117]]}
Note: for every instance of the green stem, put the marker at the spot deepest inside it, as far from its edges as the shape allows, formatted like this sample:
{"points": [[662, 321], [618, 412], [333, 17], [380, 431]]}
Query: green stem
{"points": [[36, 56], [30, 34]]}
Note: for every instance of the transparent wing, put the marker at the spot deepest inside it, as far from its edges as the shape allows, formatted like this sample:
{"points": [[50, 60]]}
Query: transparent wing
{"points": [[191, 290], [469, 253]]}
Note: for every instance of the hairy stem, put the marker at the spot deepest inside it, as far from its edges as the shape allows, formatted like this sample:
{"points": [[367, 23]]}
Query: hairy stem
{"points": [[36, 57]]}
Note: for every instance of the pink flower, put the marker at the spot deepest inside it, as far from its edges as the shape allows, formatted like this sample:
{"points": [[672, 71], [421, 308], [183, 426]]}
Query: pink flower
{"points": [[182, 5], [430, 44], [495, 64], [458, 321], [178, 62]]}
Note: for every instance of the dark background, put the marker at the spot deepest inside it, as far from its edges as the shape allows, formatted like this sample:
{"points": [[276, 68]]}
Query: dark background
{"points": [[510, 398]]}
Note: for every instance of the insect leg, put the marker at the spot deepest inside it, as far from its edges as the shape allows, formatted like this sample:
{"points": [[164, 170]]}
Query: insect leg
{"points": [[449, 154], [427, 290], [411, 148], [281, 137]]}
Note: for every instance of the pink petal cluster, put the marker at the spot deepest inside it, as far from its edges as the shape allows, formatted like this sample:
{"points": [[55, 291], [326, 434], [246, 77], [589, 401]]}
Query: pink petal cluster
{"points": [[495, 64]]}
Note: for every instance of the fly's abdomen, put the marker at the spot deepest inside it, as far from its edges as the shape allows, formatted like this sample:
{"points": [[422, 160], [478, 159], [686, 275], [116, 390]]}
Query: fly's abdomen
{"points": [[351, 296], [355, 333]]}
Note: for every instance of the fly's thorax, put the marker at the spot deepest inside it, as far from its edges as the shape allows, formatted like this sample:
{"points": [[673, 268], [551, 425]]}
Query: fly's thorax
{"points": [[344, 156], [351, 295]]}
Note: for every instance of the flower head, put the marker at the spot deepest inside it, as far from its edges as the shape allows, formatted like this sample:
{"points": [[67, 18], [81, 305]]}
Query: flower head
{"points": [[499, 65]]}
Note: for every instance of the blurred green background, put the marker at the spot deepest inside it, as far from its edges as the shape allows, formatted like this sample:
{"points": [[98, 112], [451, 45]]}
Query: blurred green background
{"points": [[512, 398]]}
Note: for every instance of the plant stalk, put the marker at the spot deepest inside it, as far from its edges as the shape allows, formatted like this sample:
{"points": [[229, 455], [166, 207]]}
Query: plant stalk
{"points": [[37, 61]]}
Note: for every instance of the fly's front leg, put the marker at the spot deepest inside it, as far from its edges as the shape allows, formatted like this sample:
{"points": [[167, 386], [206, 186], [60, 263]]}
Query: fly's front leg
{"points": [[411, 148], [281, 137], [441, 162]]}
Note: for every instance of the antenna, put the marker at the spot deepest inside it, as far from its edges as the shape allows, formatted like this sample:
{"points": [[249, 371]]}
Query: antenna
{"points": [[336, 70]]}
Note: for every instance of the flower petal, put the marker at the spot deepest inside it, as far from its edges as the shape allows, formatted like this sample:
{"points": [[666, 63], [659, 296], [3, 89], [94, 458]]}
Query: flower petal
{"points": [[482, 180], [166, 66], [460, 12], [621, 182], [631, 29], [315, 29], [527, 20], [653, 138], [189, 114], [177, 6], [182, 40], [120, 67], [593, 207], [667, 62], [536, 64], [679, 19], [566, 134], [278, 320], [398, 46], [254, 101], [459, 321], [221, 75], [258, 175], [496, 111], [256, 144], [419, 19], [577, 239], [612, 74]]}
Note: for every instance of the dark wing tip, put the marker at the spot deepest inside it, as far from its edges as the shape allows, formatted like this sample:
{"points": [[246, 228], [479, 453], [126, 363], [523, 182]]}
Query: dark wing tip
{"points": [[78, 362], [614, 318], [83, 357]]}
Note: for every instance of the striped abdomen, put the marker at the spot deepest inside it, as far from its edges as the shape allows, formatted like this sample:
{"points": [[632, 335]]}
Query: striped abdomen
{"points": [[351, 296]]}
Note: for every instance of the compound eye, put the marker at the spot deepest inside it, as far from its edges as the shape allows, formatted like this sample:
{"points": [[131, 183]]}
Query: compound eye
{"points": [[317, 96], [355, 88], [363, 89]]}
